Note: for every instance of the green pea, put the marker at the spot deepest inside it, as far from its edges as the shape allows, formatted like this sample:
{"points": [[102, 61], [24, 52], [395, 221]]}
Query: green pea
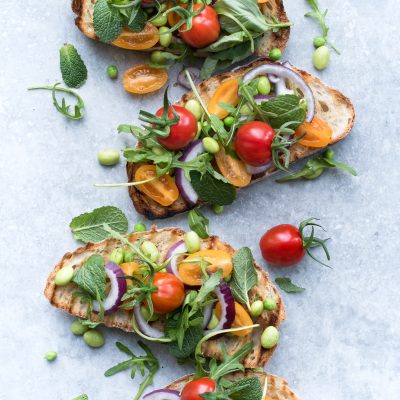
{"points": [[256, 308], [108, 157], [146, 314], [245, 110], [128, 256], [195, 108], [210, 145], [150, 250], [192, 241], [269, 337], [321, 58], [139, 228], [157, 57], [160, 20], [269, 304], [93, 338], [214, 321], [64, 276], [217, 209], [117, 256], [228, 121], [165, 36], [77, 328], [319, 41], [329, 154], [50, 356], [275, 54], [264, 85], [112, 71]]}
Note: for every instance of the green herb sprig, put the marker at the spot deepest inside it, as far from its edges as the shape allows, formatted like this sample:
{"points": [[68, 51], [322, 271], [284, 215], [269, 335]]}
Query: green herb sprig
{"points": [[288, 286]]}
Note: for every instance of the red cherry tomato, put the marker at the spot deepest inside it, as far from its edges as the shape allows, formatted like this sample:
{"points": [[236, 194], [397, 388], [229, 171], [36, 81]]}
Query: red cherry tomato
{"points": [[194, 389], [182, 133], [282, 245], [253, 143], [170, 294], [205, 28]]}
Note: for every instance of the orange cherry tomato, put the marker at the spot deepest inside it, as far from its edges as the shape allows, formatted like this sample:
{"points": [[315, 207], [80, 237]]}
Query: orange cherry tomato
{"points": [[142, 79], [317, 133], [143, 40], [232, 169], [170, 293], [163, 190], [129, 268], [227, 92], [190, 269], [242, 318]]}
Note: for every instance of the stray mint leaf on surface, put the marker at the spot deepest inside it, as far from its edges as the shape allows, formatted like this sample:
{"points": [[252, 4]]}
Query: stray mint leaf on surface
{"points": [[73, 69], [88, 227], [199, 223], [107, 21], [287, 286]]}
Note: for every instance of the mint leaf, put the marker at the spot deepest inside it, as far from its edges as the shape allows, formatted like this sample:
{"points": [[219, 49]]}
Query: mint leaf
{"points": [[198, 223], [88, 227], [247, 388], [91, 277], [107, 21], [287, 286], [192, 336], [73, 69], [138, 19]]}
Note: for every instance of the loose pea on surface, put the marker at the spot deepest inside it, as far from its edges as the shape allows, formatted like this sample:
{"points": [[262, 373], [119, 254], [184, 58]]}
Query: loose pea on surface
{"points": [[269, 304], [160, 20], [210, 145], [93, 338], [108, 157], [321, 58], [217, 209], [228, 121], [264, 85], [64, 276], [157, 57], [117, 256], [192, 241], [269, 337], [50, 356], [77, 328], [256, 308], [319, 41], [150, 250], [139, 227], [112, 71], [275, 54], [195, 108], [165, 36]]}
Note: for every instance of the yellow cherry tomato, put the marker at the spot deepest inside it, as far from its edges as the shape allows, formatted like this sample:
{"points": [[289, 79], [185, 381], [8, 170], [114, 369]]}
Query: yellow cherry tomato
{"points": [[227, 92], [317, 133], [142, 79], [242, 318], [143, 40]]}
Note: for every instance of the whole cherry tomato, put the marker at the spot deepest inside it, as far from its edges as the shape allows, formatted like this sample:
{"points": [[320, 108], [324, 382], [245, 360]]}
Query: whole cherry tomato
{"points": [[205, 28], [195, 388], [183, 132], [170, 293], [253, 143]]}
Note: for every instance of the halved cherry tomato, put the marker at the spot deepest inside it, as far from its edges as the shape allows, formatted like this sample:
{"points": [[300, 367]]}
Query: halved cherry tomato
{"points": [[142, 79], [162, 190], [232, 169], [205, 28], [129, 268], [143, 40], [170, 293], [190, 268], [183, 132], [195, 388], [242, 318], [317, 133], [227, 92]]}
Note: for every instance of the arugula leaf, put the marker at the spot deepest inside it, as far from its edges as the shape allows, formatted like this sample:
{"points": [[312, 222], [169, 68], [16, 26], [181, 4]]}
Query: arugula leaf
{"points": [[244, 276], [107, 21], [226, 41], [73, 69], [212, 190], [198, 223], [286, 285], [88, 227], [91, 277]]}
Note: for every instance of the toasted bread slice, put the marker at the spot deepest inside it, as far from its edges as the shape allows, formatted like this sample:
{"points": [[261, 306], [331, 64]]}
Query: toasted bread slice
{"points": [[331, 106], [62, 296], [271, 8], [278, 388]]}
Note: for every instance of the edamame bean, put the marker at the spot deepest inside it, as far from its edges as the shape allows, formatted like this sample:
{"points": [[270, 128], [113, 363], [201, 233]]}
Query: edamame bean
{"points": [[213, 322], [64, 276], [319, 41], [210, 145], [117, 256], [160, 20], [264, 85], [93, 338], [269, 304], [321, 58], [269, 337], [157, 57], [77, 328], [108, 157], [50, 356], [217, 209], [165, 36], [139, 227], [146, 314], [256, 308], [195, 108], [128, 256], [192, 241], [112, 71], [245, 110], [150, 250], [228, 121], [275, 54]]}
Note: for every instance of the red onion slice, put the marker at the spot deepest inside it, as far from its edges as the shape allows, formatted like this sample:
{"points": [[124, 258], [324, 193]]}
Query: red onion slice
{"points": [[144, 326], [251, 169], [162, 394], [194, 73], [227, 302], [260, 98], [117, 289], [184, 186], [177, 248], [284, 73]]}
